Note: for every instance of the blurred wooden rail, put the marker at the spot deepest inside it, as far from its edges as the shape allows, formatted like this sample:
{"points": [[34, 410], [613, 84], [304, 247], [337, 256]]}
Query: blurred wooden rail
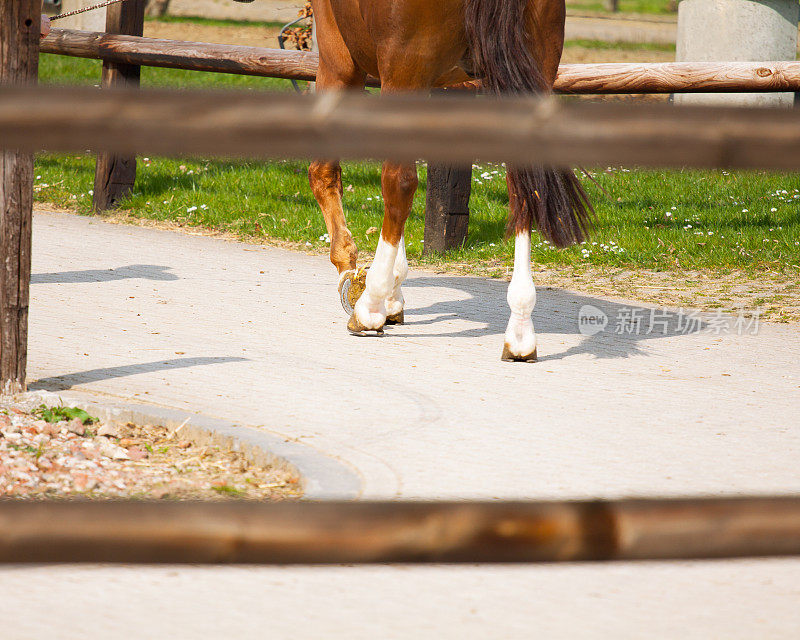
{"points": [[406, 127], [397, 532], [300, 65]]}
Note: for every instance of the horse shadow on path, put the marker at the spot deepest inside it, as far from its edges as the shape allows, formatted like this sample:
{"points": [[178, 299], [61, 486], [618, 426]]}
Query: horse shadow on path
{"points": [[607, 329], [130, 272]]}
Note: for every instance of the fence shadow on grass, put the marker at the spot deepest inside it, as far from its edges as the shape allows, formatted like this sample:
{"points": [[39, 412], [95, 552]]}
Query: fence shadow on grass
{"points": [[627, 329], [69, 380], [130, 272]]}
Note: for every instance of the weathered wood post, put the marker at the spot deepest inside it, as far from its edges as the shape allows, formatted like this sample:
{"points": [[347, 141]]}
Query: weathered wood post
{"points": [[115, 175], [19, 63], [447, 206]]}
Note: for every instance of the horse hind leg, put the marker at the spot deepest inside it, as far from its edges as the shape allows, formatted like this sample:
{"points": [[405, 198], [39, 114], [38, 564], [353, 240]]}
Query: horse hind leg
{"points": [[520, 338]]}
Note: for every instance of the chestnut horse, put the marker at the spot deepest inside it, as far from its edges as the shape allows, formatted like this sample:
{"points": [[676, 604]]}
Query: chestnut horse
{"points": [[514, 47]]}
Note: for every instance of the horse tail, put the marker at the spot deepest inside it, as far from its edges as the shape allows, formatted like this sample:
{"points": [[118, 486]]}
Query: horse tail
{"points": [[500, 45]]}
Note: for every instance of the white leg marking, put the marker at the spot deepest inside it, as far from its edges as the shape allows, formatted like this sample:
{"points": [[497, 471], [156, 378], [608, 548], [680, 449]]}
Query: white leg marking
{"points": [[371, 306], [520, 336], [395, 302]]}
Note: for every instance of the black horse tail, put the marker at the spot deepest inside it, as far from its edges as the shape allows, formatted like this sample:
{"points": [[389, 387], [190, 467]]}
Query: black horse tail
{"points": [[500, 45]]}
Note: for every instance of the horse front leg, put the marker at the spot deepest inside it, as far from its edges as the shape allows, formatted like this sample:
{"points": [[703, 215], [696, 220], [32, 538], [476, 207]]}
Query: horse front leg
{"points": [[395, 303], [520, 339], [382, 296], [325, 178]]}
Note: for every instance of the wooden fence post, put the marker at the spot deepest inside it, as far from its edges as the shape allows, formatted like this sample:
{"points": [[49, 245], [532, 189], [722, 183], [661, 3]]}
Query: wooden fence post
{"points": [[115, 175], [447, 207], [447, 203], [19, 63]]}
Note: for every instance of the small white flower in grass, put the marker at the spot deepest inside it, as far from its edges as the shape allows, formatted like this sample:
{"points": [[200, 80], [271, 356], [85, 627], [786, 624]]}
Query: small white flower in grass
{"points": [[190, 209], [491, 244], [325, 238], [38, 177], [91, 193], [773, 209], [204, 207], [745, 210]]}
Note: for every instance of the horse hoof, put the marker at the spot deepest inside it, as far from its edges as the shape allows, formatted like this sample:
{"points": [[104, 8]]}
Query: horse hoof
{"points": [[510, 357], [352, 284], [358, 329], [397, 318]]}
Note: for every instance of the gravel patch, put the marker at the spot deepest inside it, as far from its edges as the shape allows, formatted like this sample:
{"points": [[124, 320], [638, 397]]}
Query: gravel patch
{"points": [[66, 454]]}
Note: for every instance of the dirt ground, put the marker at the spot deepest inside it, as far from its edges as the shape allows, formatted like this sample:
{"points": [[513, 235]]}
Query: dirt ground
{"points": [[46, 454], [246, 36], [260, 11]]}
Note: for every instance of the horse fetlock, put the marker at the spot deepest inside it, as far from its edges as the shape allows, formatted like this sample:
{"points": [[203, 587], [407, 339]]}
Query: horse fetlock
{"points": [[395, 305], [370, 312], [344, 253], [520, 340]]}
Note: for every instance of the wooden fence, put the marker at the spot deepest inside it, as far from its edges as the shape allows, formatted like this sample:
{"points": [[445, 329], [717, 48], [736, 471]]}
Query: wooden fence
{"points": [[575, 79], [124, 121], [404, 127], [395, 532]]}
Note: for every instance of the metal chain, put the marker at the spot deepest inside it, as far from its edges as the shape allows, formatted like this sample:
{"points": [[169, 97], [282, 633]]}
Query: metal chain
{"points": [[85, 9]]}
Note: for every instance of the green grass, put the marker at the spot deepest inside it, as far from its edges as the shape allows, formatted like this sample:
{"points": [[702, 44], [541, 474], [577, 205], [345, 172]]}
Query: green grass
{"points": [[663, 220], [66, 70]]}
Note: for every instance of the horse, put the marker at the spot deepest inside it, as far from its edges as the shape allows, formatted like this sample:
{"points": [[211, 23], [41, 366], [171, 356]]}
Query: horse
{"points": [[513, 47]]}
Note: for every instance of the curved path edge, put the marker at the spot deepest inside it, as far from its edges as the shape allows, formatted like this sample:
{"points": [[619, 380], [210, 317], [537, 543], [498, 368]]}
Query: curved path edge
{"points": [[322, 477]]}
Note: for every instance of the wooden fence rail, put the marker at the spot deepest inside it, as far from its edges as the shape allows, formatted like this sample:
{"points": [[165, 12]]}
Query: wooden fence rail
{"points": [[406, 127], [611, 78], [394, 532]]}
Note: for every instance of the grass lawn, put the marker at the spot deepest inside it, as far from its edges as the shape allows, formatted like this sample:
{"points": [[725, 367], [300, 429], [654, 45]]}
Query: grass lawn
{"points": [[656, 220]]}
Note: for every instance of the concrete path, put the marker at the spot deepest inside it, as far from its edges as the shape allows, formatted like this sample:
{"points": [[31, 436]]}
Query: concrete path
{"points": [[255, 335], [633, 29]]}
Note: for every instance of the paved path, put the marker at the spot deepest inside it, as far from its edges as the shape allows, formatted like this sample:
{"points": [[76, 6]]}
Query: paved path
{"points": [[255, 335], [634, 29]]}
